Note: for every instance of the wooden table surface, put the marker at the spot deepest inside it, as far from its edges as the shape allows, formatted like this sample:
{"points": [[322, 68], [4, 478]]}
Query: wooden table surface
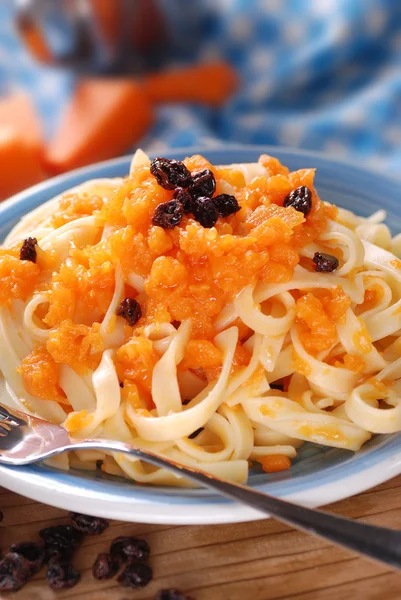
{"points": [[263, 560]]}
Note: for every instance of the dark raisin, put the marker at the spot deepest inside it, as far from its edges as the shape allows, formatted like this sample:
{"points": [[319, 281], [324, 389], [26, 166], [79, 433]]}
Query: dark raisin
{"points": [[169, 173], [300, 199], [58, 554], [325, 263], [185, 198], [176, 324], [195, 433], [28, 249], [14, 572], [88, 525], [121, 384], [171, 595], [168, 214], [186, 401], [106, 566], [277, 386], [226, 204], [61, 576], [203, 184], [1, 516], [64, 536], [130, 310], [130, 547], [33, 553], [136, 574], [205, 212]]}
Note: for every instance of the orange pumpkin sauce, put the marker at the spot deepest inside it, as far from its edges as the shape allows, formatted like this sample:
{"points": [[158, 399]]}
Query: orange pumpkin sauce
{"points": [[188, 272]]}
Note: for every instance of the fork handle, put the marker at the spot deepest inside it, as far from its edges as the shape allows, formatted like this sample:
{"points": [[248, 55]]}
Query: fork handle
{"points": [[379, 543]]}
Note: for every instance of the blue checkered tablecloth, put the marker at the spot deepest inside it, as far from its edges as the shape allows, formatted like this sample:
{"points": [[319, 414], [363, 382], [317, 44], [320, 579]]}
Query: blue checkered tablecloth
{"points": [[317, 74]]}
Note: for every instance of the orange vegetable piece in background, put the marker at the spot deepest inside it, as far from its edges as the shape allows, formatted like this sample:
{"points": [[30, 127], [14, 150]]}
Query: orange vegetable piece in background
{"points": [[210, 84], [20, 165], [103, 118], [18, 113]]}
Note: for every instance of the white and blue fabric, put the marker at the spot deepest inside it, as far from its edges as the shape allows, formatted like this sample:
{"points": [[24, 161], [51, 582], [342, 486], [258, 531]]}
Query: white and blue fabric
{"points": [[318, 74]]}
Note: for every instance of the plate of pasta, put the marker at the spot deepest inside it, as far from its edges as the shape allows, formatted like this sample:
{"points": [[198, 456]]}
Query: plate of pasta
{"points": [[236, 310]]}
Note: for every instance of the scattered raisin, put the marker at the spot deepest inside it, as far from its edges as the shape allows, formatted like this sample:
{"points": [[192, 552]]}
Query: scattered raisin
{"points": [[195, 433], [33, 553], [168, 214], [171, 595], [63, 536], [205, 212], [300, 199], [130, 547], [58, 554], [1, 516], [136, 574], [226, 204], [14, 572], [88, 525], [186, 401], [105, 566], [185, 198], [203, 184], [169, 173], [130, 310], [325, 263], [28, 249], [61, 576]]}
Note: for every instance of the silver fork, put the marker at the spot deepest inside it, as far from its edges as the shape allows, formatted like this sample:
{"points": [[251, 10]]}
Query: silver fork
{"points": [[26, 439]]}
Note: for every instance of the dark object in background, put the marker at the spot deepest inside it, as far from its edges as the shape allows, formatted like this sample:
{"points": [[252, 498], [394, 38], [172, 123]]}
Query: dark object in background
{"points": [[93, 35]]}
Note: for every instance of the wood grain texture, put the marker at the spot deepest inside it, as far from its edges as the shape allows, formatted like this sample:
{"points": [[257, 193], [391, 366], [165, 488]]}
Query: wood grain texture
{"points": [[263, 560]]}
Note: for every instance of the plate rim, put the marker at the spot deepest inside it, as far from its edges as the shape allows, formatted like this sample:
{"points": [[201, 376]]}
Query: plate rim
{"points": [[69, 496]]}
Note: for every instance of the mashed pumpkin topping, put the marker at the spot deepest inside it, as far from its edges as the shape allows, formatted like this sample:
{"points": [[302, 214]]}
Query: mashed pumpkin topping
{"points": [[188, 271]]}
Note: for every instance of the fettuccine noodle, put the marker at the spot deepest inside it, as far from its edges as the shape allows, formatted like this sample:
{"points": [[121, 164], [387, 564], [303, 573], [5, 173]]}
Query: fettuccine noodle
{"points": [[243, 348]]}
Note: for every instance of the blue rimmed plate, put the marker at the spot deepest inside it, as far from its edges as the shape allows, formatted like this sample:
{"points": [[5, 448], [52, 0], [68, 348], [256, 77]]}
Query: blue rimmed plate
{"points": [[318, 476]]}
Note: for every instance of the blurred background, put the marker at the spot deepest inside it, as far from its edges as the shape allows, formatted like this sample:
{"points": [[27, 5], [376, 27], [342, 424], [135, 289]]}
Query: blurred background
{"points": [[85, 80]]}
